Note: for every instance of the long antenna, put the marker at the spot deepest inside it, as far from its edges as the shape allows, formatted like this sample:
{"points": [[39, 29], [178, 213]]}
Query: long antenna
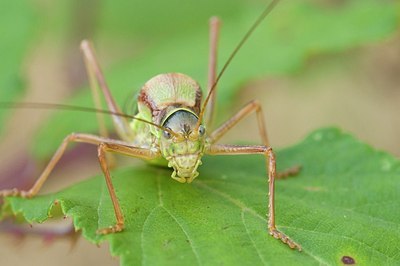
{"points": [[267, 10], [56, 106], [35, 105]]}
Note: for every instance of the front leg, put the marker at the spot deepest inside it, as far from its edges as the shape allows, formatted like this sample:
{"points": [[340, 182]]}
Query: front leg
{"points": [[104, 145], [271, 166], [123, 149]]}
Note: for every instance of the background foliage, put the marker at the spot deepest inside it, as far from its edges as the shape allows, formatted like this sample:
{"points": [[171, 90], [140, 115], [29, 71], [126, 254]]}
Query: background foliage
{"points": [[136, 41]]}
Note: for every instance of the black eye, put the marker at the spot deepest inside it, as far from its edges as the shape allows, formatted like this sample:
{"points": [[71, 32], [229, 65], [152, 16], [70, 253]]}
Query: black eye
{"points": [[202, 130], [166, 134]]}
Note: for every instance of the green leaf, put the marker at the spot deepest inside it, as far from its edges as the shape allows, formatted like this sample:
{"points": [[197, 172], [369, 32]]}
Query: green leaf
{"points": [[280, 46], [343, 203], [17, 25]]}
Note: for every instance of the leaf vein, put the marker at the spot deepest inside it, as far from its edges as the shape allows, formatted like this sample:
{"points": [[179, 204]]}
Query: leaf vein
{"points": [[142, 233], [251, 239], [99, 206], [177, 222], [186, 234], [236, 202]]}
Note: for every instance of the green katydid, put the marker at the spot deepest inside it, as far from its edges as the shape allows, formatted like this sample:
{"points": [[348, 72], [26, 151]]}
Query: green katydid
{"points": [[171, 128]]}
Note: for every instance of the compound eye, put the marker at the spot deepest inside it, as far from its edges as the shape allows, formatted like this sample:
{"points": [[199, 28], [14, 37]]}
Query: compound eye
{"points": [[167, 134], [202, 130]]}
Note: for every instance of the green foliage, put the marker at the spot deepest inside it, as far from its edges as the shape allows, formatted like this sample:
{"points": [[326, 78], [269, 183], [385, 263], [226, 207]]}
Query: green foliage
{"points": [[17, 25], [176, 40], [343, 203]]}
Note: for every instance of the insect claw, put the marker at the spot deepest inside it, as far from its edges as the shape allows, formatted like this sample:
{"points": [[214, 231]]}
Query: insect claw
{"points": [[193, 177], [111, 229], [284, 238], [15, 193], [179, 179]]}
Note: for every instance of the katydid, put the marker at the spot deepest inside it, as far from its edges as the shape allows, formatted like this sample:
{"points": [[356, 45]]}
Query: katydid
{"points": [[172, 127]]}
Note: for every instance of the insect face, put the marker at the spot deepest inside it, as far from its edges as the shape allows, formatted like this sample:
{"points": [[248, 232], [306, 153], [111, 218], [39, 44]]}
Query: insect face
{"points": [[184, 148]]}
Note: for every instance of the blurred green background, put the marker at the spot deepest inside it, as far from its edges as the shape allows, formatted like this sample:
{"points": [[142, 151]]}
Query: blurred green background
{"points": [[312, 63]]}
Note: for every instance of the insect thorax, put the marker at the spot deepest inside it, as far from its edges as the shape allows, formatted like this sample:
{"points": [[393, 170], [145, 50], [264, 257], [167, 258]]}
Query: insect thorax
{"points": [[165, 92]]}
